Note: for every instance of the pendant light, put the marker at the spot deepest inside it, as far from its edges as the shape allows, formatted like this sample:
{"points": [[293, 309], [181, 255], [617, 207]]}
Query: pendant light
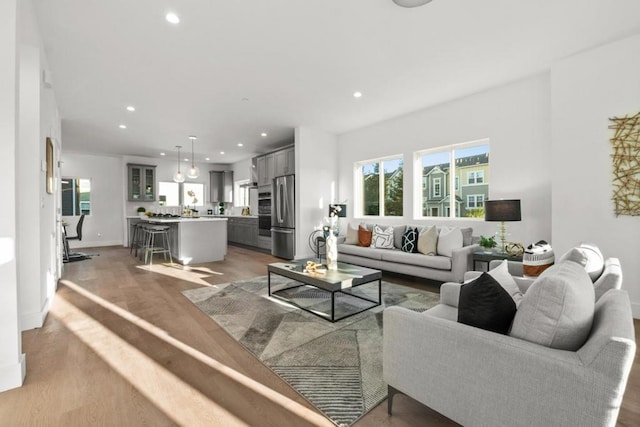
{"points": [[194, 171], [178, 176]]}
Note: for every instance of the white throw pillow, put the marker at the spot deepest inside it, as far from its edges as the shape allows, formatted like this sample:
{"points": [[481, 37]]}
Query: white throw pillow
{"points": [[428, 240], [382, 239], [448, 240], [352, 235], [502, 276]]}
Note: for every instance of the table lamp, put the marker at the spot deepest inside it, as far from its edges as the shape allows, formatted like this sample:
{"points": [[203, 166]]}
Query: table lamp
{"points": [[502, 211]]}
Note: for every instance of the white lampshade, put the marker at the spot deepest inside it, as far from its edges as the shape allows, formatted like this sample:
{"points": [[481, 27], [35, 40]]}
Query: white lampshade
{"points": [[194, 172], [178, 177]]}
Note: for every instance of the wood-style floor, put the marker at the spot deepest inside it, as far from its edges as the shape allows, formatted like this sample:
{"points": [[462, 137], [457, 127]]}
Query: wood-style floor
{"points": [[122, 347]]}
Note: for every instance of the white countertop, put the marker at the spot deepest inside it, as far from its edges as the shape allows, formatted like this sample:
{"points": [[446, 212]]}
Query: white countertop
{"points": [[182, 220]]}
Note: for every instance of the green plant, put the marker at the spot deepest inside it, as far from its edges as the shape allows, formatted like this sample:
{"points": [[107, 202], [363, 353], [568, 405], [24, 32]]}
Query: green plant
{"points": [[488, 242], [141, 210]]}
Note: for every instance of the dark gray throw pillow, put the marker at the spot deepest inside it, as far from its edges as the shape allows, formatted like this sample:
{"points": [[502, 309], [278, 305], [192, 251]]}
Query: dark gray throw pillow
{"points": [[485, 304], [410, 240]]}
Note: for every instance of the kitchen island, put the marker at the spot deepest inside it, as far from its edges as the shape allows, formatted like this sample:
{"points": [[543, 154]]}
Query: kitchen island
{"points": [[194, 239]]}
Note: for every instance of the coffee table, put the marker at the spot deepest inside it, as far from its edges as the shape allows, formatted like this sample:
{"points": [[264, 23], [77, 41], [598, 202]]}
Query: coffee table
{"points": [[347, 276]]}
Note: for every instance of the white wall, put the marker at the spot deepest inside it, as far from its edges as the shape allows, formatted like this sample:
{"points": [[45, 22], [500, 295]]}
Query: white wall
{"points": [[103, 227], [12, 361], [316, 182], [516, 119], [37, 237], [588, 89]]}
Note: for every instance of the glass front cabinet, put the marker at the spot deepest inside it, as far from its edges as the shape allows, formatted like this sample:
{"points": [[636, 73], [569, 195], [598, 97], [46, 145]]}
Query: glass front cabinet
{"points": [[142, 183]]}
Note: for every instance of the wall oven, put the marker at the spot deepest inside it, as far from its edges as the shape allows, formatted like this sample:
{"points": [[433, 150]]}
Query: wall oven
{"points": [[264, 212]]}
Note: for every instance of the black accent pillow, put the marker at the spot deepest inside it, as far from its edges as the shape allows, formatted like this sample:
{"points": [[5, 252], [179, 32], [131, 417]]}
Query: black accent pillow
{"points": [[410, 240], [485, 304]]}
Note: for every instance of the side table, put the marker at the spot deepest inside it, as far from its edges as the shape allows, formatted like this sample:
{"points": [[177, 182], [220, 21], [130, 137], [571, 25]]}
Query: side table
{"points": [[487, 257]]}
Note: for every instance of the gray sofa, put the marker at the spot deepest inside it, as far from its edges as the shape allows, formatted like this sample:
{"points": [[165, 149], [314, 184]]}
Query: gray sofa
{"points": [[481, 378], [434, 267]]}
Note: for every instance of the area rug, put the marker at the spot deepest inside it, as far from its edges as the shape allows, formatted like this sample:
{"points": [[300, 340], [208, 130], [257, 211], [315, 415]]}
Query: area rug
{"points": [[337, 367]]}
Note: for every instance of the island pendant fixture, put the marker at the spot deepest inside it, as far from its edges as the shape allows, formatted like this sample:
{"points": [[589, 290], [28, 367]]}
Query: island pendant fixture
{"points": [[178, 176], [194, 172]]}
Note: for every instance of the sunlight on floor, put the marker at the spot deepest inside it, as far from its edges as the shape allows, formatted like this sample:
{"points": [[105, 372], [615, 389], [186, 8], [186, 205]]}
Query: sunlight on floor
{"points": [[177, 399], [194, 275], [173, 396]]}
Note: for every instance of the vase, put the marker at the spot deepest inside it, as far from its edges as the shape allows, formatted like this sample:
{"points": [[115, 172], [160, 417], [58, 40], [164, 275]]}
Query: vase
{"points": [[332, 251]]}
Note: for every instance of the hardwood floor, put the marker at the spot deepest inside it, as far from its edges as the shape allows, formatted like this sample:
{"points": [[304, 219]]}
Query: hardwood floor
{"points": [[122, 346]]}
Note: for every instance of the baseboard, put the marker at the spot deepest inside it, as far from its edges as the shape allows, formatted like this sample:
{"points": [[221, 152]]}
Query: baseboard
{"points": [[36, 319], [12, 376], [96, 244], [635, 310]]}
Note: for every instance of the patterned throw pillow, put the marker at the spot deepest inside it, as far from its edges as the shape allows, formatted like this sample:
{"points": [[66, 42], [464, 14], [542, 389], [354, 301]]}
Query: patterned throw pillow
{"points": [[382, 239], [410, 240]]}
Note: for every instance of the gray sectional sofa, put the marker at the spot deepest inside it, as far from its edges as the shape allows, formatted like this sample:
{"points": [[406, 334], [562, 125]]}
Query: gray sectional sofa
{"points": [[434, 267]]}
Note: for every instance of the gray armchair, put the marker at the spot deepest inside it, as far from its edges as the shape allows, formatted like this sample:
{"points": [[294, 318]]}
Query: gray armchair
{"points": [[481, 378]]}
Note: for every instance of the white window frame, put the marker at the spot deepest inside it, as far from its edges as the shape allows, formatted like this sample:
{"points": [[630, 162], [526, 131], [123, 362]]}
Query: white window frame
{"points": [[437, 183], [418, 196], [477, 176], [359, 190], [478, 201]]}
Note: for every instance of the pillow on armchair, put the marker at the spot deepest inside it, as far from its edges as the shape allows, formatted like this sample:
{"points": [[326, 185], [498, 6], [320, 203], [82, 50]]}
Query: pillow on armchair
{"points": [[557, 310], [485, 304]]}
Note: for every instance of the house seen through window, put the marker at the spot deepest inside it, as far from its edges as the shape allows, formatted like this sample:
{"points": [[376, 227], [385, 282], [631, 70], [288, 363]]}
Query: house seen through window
{"points": [[463, 167]]}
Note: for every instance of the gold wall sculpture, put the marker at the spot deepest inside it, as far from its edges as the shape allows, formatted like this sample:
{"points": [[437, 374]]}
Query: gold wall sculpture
{"points": [[626, 164]]}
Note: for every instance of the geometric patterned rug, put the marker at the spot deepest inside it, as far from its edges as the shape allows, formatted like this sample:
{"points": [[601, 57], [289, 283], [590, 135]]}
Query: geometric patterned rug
{"points": [[337, 367]]}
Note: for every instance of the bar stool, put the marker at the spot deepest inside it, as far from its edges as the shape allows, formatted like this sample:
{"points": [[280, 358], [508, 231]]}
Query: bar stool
{"points": [[137, 238], [150, 247]]}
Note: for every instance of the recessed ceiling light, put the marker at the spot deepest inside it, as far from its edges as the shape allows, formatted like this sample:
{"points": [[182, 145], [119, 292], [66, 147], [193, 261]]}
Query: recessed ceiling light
{"points": [[131, 108], [186, 160], [240, 144], [357, 94], [173, 18], [122, 126], [207, 159], [163, 154], [222, 152], [263, 134]]}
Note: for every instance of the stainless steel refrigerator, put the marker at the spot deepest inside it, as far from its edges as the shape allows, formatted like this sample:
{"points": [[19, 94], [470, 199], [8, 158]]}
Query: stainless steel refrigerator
{"points": [[283, 224]]}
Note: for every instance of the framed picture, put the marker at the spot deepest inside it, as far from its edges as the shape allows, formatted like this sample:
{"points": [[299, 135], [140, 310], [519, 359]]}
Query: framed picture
{"points": [[49, 176]]}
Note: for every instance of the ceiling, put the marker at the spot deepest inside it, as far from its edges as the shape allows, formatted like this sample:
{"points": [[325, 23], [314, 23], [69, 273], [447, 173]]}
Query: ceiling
{"points": [[231, 70]]}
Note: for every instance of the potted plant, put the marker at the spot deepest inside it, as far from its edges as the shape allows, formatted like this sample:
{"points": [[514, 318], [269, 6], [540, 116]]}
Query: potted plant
{"points": [[488, 243], [141, 211]]}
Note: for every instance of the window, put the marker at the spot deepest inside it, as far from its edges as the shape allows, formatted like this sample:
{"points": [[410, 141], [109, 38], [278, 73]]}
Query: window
{"points": [[241, 193], [380, 193], [475, 177], [192, 194], [463, 167], [475, 201], [437, 189], [169, 193], [76, 196]]}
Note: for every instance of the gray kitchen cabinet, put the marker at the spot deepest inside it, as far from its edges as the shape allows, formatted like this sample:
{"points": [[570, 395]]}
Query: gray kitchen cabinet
{"points": [[265, 169], [243, 231], [141, 181], [221, 186], [284, 162]]}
